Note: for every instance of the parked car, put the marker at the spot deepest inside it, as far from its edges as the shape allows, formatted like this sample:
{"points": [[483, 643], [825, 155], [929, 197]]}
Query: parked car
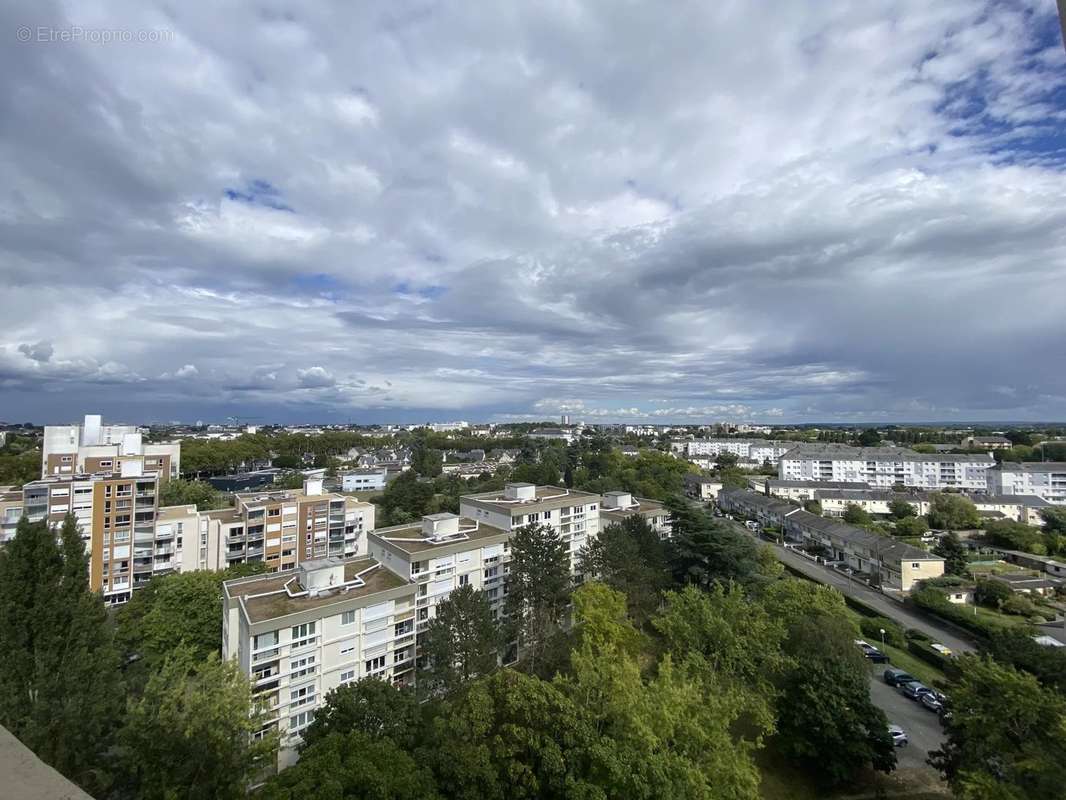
{"points": [[871, 652], [932, 700], [899, 736], [894, 677], [752, 525], [914, 690], [942, 649]]}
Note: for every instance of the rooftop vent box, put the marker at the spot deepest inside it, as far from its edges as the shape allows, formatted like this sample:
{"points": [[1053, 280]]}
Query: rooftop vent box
{"points": [[439, 526], [617, 500], [313, 487], [520, 491], [320, 575]]}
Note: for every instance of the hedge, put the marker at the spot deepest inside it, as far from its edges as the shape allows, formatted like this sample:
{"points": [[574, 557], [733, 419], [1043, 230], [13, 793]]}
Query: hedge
{"points": [[871, 628]]}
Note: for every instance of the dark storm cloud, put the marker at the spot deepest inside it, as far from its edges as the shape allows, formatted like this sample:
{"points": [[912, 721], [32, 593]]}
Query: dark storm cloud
{"points": [[846, 211]]}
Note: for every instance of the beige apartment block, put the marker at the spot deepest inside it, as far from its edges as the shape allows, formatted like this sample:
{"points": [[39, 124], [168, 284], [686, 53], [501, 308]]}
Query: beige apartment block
{"points": [[302, 633]]}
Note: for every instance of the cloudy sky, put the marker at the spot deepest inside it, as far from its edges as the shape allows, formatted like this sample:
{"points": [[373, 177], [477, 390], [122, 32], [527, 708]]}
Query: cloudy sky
{"points": [[412, 211]]}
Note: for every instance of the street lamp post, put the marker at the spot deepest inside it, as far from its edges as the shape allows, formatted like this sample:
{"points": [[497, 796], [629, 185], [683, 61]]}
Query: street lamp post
{"points": [[882, 638]]}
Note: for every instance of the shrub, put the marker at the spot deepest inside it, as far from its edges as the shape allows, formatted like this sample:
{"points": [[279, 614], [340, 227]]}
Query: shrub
{"points": [[871, 628]]}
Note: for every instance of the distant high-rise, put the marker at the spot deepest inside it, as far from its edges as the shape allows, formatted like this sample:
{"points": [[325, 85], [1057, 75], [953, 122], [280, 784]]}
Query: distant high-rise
{"points": [[565, 419]]}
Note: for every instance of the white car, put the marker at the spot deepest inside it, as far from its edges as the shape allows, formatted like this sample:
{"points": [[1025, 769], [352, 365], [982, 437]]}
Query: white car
{"points": [[943, 650]]}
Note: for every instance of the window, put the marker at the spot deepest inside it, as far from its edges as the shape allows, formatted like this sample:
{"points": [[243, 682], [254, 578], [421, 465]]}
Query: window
{"points": [[302, 696], [347, 647], [300, 721], [303, 634], [265, 640], [348, 618], [464, 580], [347, 676], [375, 664], [423, 614], [301, 666], [916, 566]]}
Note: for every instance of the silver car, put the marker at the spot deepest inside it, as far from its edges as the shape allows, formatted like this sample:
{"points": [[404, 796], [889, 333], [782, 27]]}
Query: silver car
{"points": [[899, 736]]}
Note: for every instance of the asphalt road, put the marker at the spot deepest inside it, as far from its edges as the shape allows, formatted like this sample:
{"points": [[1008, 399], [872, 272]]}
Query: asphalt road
{"points": [[922, 726], [890, 608]]}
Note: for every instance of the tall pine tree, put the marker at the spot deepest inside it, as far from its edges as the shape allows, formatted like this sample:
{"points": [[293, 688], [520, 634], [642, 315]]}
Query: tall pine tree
{"points": [[60, 684]]}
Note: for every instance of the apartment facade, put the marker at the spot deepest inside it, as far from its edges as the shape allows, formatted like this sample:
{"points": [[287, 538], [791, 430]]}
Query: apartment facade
{"points": [[1046, 480], [363, 480], [758, 451], [284, 528], [573, 514], [93, 447], [885, 467], [617, 506], [302, 633], [443, 552]]}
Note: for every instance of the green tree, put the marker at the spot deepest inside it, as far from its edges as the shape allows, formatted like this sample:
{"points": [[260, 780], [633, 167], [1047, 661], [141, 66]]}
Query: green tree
{"points": [[60, 690], [370, 707], [813, 506], [658, 737], [953, 551], [179, 609], [190, 734], [735, 636], [405, 499], [629, 557], [953, 512], [538, 588], [460, 643], [511, 736], [869, 438], [1006, 737], [901, 509], [856, 515], [352, 766], [826, 720], [704, 550], [1016, 536], [911, 527], [178, 492], [1054, 520]]}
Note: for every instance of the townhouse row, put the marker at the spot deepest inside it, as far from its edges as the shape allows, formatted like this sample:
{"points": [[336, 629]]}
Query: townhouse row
{"points": [[894, 564], [335, 620]]}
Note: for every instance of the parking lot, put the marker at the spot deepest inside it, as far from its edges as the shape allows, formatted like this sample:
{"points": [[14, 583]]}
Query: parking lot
{"points": [[922, 726]]}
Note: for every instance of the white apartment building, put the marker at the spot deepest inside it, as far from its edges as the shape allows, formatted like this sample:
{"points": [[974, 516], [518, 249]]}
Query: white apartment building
{"points": [[885, 467], [363, 480], [1046, 479], [442, 553], [573, 514], [617, 506], [93, 447], [758, 451], [300, 634]]}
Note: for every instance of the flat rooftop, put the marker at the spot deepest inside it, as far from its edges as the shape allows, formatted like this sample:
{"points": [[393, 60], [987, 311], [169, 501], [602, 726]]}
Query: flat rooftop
{"points": [[411, 540], [545, 497], [272, 606], [641, 506]]}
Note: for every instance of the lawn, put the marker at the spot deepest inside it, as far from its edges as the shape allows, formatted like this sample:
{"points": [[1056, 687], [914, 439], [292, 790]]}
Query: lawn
{"points": [[902, 659]]}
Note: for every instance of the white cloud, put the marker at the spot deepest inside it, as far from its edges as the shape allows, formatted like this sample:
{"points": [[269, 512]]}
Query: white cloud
{"points": [[470, 209]]}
